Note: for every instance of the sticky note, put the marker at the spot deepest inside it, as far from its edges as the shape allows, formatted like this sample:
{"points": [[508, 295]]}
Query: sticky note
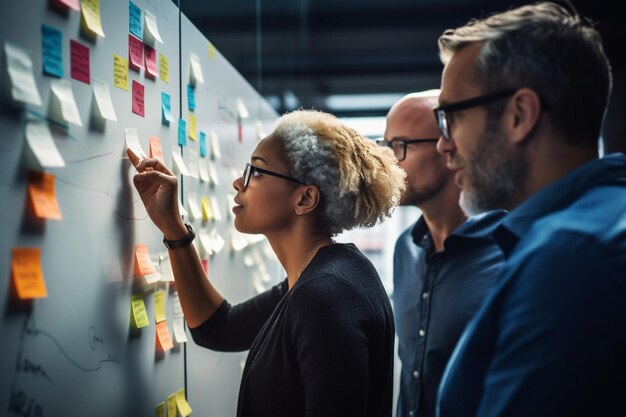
{"points": [[79, 62], [164, 68], [135, 53], [194, 209], [182, 132], [242, 111], [63, 106], [163, 336], [120, 72], [27, 274], [177, 308], [159, 305], [178, 163], [51, 42], [102, 96], [216, 209], [90, 17], [71, 4], [217, 241], [151, 34], [138, 307], [192, 127], [132, 142], [159, 410], [207, 209], [155, 149], [42, 196], [205, 242], [180, 336], [42, 144], [138, 107], [192, 163], [172, 407], [143, 264], [215, 146], [166, 268], [204, 171], [135, 24], [151, 65], [195, 74], [19, 66], [213, 174], [183, 407], [212, 51], [237, 240], [166, 109], [191, 97], [202, 144]]}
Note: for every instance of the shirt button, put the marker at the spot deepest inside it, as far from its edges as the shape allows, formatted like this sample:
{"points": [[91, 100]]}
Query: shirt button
{"points": [[416, 374], [422, 332], [425, 296]]}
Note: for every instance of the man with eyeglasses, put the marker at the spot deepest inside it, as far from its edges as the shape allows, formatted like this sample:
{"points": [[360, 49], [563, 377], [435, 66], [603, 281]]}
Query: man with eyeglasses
{"points": [[523, 98], [443, 264]]}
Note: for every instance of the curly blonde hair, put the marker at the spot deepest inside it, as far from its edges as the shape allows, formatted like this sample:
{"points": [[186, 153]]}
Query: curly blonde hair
{"points": [[360, 182]]}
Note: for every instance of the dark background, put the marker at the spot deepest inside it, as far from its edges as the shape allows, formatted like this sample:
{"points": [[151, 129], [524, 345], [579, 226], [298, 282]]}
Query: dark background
{"points": [[300, 53]]}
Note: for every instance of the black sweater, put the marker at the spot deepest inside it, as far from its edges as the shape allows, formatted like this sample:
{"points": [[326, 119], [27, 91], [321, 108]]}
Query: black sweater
{"points": [[324, 349]]}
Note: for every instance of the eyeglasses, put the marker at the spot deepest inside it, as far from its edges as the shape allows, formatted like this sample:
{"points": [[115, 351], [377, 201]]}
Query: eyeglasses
{"points": [[443, 112], [398, 146], [250, 170]]}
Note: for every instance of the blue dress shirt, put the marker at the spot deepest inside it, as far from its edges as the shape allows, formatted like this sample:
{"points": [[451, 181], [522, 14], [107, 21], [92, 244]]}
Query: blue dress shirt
{"points": [[550, 340], [435, 295]]}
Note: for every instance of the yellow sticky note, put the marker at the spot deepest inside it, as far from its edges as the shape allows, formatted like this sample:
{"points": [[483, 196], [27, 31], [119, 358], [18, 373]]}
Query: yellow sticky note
{"points": [[183, 406], [172, 408], [140, 315], [27, 273], [164, 68], [159, 305], [159, 410], [120, 72], [42, 196], [90, 17], [211, 51], [143, 264], [164, 338], [192, 127], [207, 209]]}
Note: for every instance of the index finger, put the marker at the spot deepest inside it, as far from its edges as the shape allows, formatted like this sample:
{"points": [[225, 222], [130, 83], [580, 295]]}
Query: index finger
{"points": [[134, 159]]}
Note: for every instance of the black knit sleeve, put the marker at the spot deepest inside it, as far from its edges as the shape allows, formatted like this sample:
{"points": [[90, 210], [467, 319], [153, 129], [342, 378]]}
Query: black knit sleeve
{"points": [[233, 328]]}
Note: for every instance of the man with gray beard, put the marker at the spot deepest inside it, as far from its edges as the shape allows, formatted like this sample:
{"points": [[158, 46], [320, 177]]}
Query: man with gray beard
{"points": [[443, 264]]}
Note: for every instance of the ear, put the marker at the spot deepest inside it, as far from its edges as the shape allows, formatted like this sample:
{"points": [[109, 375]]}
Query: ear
{"points": [[523, 115], [307, 199]]}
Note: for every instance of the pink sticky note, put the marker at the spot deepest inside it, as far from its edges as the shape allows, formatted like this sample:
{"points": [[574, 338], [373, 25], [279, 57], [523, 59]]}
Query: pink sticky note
{"points": [[79, 57], [71, 4], [135, 53], [152, 70], [138, 98]]}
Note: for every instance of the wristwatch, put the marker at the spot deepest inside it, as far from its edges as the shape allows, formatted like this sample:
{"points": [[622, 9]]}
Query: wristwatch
{"points": [[183, 241]]}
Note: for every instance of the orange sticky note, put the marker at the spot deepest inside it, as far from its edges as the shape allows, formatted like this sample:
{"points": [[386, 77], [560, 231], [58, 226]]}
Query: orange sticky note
{"points": [[42, 196], [155, 149], [27, 274], [163, 336], [143, 264]]}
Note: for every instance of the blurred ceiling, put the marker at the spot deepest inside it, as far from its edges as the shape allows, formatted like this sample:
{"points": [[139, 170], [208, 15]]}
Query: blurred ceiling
{"points": [[353, 58]]}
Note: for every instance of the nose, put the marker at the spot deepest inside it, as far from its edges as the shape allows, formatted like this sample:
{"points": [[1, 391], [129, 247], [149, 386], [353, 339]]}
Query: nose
{"points": [[445, 146], [238, 184]]}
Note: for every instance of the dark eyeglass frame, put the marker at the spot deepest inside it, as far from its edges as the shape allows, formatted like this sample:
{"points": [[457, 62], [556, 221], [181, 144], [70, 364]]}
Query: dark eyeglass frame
{"points": [[389, 144], [441, 112], [251, 169]]}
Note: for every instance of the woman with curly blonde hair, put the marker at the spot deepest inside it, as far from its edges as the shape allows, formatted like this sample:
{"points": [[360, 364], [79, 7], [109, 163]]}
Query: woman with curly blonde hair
{"points": [[321, 342]]}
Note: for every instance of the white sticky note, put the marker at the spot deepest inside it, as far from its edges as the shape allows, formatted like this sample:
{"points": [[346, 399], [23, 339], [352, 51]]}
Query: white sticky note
{"points": [[151, 32], [42, 144], [193, 157], [21, 78], [181, 209], [194, 208], [132, 142], [237, 240], [213, 179], [248, 260], [215, 146], [179, 164], [242, 111], [195, 73], [204, 170], [102, 95], [177, 309], [166, 267], [179, 330], [152, 278], [63, 108], [205, 241], [217, 213], [217, 241]]}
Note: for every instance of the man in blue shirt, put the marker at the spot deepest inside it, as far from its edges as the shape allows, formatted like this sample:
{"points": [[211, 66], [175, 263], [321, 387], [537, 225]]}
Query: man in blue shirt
{"points": [[443, 265], [522, 103]]}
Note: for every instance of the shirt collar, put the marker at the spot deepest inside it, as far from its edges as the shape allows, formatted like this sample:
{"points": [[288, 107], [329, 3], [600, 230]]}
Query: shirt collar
{"points": [[563, 192]]}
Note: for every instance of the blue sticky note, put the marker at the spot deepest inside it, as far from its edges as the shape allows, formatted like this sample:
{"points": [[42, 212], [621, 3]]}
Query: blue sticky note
{"points": [[52, 41], [191, 97], [202, 144], [182, 132], [134, 20], [166, 110]]}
